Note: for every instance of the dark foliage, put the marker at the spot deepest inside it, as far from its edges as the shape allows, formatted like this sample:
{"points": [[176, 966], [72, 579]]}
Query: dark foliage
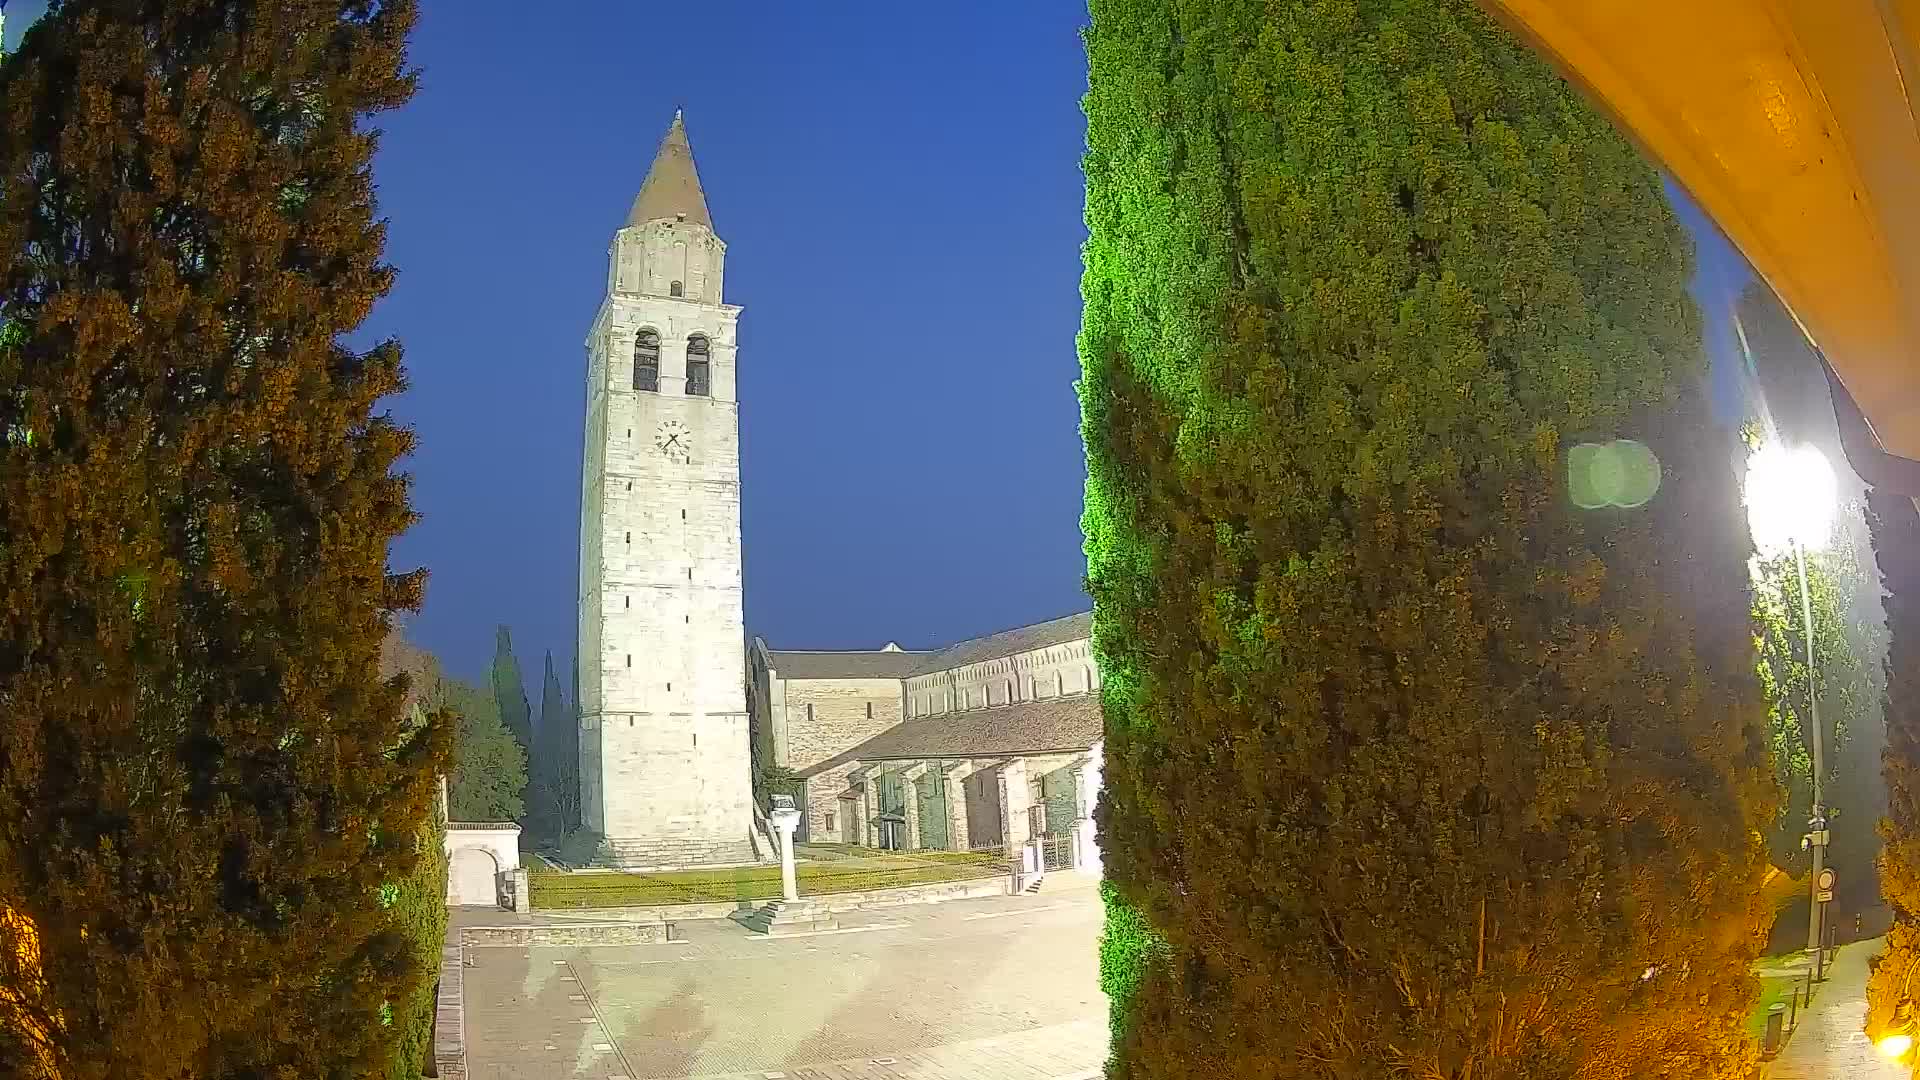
{"points": [[1413, 769], [205, 786]]}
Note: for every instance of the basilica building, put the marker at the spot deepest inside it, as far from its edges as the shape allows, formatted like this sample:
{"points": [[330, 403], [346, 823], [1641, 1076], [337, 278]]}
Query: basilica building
{"points": [[988, 744]]}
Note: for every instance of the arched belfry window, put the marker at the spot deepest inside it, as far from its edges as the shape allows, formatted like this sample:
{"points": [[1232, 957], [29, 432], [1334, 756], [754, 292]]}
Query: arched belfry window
{"points": [[699, 370], [676, 289], [646, 361]]}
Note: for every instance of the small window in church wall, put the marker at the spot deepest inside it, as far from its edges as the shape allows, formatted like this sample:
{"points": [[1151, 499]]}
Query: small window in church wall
{"points": [[646, 362], [699, 370], [869, 710], [676, 289]]}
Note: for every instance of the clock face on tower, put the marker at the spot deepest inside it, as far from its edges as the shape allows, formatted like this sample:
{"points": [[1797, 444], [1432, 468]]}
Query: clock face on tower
{"points": [[674, 441]]}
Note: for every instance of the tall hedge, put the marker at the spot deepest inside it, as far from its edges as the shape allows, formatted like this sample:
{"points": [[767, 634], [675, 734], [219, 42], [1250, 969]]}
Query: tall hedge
{"points": [[1413, 769], [1893, 992], [418, 903], [206, 788]]}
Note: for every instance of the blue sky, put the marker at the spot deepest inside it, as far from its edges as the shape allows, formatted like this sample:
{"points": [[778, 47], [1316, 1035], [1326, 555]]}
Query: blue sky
{"points": [[899, 187], [19, 13]]}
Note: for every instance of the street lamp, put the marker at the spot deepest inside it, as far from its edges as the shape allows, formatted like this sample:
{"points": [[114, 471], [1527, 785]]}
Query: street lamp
{"points": [[1791, 497]]}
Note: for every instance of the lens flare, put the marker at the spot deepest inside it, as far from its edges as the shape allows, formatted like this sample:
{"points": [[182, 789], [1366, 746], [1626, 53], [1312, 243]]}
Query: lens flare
{"points": [[1621, 473], [1894, 1047]]}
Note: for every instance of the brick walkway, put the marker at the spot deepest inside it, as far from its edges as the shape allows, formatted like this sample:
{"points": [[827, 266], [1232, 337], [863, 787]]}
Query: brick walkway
{"points": [[1829, 1044]]}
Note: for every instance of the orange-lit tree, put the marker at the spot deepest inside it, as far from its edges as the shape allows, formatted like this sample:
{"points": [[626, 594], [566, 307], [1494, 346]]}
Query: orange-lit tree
{"points": [[1893, 991], [208, 795], [1413, 768]]}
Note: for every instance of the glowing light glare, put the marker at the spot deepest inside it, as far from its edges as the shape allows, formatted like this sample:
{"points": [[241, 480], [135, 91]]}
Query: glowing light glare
{"points": [[1622, 473], [1894, 1047], [1791, 498]]}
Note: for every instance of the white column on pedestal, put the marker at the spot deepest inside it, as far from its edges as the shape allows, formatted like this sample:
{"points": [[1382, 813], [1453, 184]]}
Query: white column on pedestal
{"points": [[785, 822]]}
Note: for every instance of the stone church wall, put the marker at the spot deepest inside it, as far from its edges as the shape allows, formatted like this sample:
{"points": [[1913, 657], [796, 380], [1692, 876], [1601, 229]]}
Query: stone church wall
{"points": [[1067, 668], [825, 717]]}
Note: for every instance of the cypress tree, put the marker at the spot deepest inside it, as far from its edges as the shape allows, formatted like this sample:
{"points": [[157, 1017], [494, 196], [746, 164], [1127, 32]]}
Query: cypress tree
{"points": [[204, 782], [1412, 767], [554, 794], [510, 690]]}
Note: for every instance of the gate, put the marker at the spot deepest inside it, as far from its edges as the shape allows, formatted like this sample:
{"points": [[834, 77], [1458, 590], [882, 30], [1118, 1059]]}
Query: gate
{"points": [[1056, 851], [1056, 848]]}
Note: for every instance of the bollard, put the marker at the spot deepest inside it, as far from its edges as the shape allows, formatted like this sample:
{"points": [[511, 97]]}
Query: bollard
{"points": [[1776, 1028], [1793, 1014]]}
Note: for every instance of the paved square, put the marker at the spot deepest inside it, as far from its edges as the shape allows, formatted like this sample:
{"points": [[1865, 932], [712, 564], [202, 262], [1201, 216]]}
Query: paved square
{"points": [[1002, 988]]}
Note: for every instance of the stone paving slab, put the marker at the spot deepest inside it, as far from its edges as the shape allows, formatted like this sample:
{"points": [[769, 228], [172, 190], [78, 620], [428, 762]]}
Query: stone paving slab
{"points": [[1058, 1052], [980, 989]]}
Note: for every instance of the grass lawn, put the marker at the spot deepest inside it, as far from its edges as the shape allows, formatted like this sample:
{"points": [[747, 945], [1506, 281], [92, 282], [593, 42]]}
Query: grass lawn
{"points": [[1773, 988], [553, 889]]}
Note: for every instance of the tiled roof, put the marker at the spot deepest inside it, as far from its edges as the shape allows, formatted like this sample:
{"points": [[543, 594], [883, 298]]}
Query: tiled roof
{"points": [[1026, 727], [672, 186], [1008, 643], [867, 664]]}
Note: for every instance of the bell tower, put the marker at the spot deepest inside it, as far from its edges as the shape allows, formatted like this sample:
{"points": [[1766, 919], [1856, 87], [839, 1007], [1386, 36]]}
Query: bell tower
{"points": [[664, 761]]}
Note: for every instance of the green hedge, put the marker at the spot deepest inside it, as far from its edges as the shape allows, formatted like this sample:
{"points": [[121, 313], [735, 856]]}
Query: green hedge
{"points": [[1412, 767], [419, 906], [560, 889]]}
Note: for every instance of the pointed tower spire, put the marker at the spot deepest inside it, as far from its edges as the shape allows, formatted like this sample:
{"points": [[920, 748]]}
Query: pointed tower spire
{"points": [[672, 189]]}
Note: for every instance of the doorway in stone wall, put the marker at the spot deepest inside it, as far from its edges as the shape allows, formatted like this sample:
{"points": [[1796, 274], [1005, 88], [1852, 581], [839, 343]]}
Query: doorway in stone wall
{"points": [[984, 828]]}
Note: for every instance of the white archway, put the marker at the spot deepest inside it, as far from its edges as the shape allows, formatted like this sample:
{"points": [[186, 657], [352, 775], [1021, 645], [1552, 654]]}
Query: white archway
{"points": [[473, 878], [481, 856]]}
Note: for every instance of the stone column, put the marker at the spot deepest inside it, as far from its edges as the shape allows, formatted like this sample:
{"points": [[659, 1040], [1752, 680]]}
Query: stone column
{"points": [[870, 811], [1086, 851], [910, 783], [956, 783], [784, 823], [1015, 798], [522, 891]]}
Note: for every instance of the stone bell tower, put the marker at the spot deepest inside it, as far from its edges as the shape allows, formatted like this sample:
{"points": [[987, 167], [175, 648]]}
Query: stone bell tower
{"points": [[664, 761]]}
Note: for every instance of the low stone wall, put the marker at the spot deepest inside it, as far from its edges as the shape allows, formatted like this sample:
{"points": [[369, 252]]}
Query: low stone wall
{"points": [[625, 932], [449, 1021]]}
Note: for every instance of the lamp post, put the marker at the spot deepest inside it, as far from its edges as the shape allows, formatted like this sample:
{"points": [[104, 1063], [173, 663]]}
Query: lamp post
{"points": [[1790, 496]]}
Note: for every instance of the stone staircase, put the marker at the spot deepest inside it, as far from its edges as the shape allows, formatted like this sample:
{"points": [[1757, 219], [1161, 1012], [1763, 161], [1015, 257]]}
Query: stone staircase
{"points": [[779, 917], [675, 853]]}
